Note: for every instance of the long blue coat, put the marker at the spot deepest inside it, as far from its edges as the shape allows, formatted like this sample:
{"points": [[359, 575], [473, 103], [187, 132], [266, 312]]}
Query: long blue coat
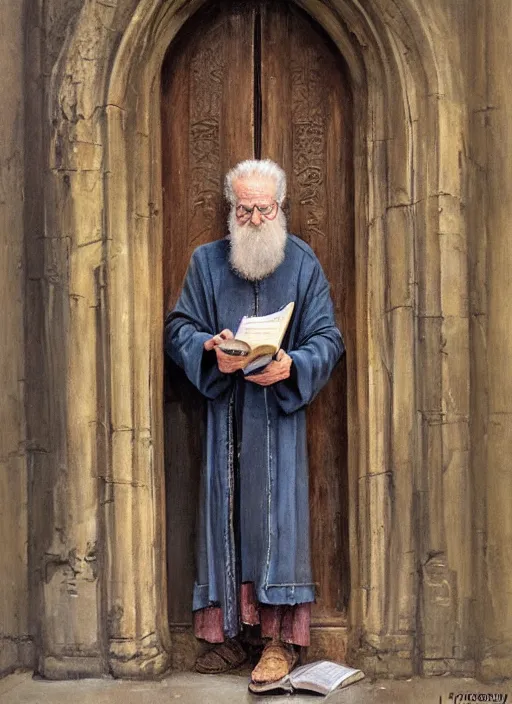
{"points": [[254, 514]]}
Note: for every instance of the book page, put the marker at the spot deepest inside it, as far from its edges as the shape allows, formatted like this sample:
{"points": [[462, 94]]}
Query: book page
{"points": [[323, 676], [265, 329]]}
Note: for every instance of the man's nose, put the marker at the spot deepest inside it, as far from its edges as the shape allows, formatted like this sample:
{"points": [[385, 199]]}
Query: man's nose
{"points": [[256, 217]]}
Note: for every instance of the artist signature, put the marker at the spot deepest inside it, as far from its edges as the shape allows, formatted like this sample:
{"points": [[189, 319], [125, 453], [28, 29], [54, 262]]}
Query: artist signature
{"points": [[466, 697]]}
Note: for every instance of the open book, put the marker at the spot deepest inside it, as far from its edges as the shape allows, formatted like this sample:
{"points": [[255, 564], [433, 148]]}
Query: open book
{"points": [[258, 338], [322, 677]]}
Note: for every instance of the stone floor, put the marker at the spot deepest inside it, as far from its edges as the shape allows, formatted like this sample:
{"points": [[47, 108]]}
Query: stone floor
{"points": [[21, 688]]}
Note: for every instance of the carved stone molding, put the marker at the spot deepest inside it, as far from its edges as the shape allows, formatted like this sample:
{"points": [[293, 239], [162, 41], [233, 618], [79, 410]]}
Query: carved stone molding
{"points": [[408, 458]]}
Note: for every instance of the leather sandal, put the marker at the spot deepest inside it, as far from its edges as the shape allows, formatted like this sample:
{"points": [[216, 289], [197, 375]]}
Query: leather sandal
{"points": [[223, 657], [277, 660]]}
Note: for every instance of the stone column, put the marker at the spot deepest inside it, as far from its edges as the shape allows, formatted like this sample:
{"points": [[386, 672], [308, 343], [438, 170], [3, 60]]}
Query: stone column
{"points": [[15, 641], [497, 596], [68, 537]]}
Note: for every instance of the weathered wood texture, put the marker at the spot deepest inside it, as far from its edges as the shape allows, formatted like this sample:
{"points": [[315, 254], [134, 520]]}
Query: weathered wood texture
{"points": [[307, 117], [305, 123], [429, 539], [207, 117], [207, 120]]}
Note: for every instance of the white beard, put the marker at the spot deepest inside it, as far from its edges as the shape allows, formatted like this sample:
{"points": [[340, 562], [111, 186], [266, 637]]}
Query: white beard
{"points": [[256, 252]]}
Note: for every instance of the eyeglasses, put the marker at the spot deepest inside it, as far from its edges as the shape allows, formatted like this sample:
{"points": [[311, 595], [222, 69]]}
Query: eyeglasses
{"points": [[269, 212]]}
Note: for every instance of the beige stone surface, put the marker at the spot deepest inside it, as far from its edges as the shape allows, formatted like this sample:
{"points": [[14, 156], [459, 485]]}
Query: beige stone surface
{"points": [[497, 596], [430, 468], [231, 689], [394, 180], [14, 626]]}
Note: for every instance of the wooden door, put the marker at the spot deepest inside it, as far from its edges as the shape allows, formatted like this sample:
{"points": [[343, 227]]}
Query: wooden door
{"points": [[243, 80]]}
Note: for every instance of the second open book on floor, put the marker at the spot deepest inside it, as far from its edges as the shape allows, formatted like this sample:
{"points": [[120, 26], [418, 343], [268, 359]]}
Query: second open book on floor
{"points": [[322, 677]]}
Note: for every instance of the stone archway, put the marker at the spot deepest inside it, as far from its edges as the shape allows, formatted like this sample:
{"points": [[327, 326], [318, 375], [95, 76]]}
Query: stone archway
{"points": [[410, 559]]}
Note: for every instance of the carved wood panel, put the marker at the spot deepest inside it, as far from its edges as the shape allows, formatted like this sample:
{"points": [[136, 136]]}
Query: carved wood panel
{"points": [[207, 109], [207, 68], [207, 126], [304, 83], [240, 67]]}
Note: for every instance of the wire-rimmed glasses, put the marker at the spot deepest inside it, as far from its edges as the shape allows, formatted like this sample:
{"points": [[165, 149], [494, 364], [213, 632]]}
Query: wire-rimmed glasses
{"points": [[269, 212]]}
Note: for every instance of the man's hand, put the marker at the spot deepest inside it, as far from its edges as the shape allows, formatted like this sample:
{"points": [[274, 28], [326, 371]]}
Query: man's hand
{"points": [[277, 370], [227, 363], [218, 339]]}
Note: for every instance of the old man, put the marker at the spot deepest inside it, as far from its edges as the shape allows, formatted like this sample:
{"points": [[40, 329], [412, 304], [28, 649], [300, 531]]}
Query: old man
{"points": [[253, 554]]}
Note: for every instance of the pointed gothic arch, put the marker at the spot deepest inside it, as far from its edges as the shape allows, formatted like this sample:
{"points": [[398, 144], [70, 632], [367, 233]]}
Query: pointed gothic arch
{"points": [[406, 428]]}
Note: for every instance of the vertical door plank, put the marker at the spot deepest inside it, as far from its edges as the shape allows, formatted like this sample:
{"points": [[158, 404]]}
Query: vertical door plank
{"points": [[207, 114], [238, 103], [306, 114], [276, 86], [207, 122]]}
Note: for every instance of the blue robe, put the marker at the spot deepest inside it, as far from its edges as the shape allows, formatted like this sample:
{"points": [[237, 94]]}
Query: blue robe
{"points": [[254, 513]]}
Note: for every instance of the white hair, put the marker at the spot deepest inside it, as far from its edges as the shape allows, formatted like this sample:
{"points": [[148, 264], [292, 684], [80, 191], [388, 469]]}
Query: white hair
{"points": [[256, 167]]}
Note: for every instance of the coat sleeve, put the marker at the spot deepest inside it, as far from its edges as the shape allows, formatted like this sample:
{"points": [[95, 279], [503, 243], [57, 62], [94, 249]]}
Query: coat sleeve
{"points": [[319, 346], [187, 328]]}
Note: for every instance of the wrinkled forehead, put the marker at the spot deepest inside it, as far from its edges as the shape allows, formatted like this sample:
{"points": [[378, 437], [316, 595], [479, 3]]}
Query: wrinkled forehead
{"points": [[255, 188]]}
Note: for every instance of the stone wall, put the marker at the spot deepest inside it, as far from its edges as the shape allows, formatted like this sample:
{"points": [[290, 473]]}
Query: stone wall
{"points": [[439, 498], [15, 641], [493, 364]]}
